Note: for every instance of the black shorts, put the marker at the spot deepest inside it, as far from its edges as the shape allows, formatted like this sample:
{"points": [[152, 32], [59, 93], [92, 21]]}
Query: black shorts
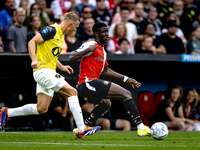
{"points": [[94, 90]]}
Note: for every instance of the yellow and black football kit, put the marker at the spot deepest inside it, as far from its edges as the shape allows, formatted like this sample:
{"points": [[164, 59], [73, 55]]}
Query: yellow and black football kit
{"points": [[48, 52]]}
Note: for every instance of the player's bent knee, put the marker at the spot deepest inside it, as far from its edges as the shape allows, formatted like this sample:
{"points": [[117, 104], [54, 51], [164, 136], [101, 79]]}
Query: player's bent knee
{"points": [[42, 110], [73, 92], [106, 102], [127, 95]]}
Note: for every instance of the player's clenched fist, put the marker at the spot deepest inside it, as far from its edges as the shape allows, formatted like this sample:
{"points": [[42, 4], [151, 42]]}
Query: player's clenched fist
{"points": [[35, 64], [92, 47]]}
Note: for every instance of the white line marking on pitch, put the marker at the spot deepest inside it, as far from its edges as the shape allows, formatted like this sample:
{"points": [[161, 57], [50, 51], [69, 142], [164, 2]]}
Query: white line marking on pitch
{"points": [[109, 145]]}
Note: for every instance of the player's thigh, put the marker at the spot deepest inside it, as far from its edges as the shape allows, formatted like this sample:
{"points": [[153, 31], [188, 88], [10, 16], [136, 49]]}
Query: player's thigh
{"points": [[68, 90], [118, 92], [43, 102]]}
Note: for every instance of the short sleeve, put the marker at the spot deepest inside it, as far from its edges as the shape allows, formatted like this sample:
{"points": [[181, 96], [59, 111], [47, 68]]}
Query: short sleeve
{"points": [[48, 33], [10, 34], [84, 47]]}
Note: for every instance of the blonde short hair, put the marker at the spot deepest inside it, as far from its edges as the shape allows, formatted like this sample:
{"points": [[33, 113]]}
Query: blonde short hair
{"points": [[71, 16], [20, 9]]}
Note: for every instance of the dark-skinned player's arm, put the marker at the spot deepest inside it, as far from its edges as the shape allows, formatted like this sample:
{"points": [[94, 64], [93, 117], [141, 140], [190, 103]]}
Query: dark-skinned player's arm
{"points": [[76, 55], [109, 72]]}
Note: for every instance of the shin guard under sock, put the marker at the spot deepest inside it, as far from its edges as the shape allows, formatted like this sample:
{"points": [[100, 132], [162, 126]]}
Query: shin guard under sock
{"points": [[132, 111], [96, 112]]}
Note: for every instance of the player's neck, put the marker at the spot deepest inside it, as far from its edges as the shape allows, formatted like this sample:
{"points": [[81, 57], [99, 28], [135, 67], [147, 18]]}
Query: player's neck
{"points": [[99, 42]]}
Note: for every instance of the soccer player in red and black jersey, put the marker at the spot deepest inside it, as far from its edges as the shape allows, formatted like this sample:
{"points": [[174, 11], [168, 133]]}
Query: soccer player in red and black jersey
{"points": [[93, 64]]}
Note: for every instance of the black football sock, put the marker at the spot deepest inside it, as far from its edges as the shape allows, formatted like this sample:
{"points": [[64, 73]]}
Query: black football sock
{"points": [[96, 112], [132, 111]]}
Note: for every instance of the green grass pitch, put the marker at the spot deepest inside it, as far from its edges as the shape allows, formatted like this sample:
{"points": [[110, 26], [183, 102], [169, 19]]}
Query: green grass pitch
{"points": [[100, 141]]}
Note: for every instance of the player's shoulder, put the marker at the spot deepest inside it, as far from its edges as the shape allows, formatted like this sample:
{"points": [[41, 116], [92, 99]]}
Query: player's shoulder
{"points": [[89, 43], [86, 45], [48, 32]]}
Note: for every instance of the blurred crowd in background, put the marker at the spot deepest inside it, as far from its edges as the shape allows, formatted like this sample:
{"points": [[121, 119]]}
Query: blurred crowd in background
{"points": [[135, 26]]}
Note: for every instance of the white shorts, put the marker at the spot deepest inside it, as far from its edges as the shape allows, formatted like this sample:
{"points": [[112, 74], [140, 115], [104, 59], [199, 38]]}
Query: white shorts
{"points": [[48, 81]]}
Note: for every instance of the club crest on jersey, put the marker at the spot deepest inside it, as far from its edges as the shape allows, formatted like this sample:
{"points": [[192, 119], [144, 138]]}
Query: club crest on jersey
{"points": [[81, 47], [105, 82], [45, 30]]}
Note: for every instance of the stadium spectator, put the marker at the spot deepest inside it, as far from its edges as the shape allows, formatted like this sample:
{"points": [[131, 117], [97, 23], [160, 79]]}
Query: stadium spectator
{"points": [[193, 46], [101, 14], [152, 18], [190, 9], [71, 43], [147, 45], [60, 7], [179, 32], [24, 5], [17, 33], [197, 20], [85, 13], [123, 46], [172, 43], [29, 3], [139, 21], [185, 22], [170, 111], [189, 102], [164, 9], [130, 27], [80, 6], [119, 32], [43, 6], [150, 30], [88, 34], [35, 10], [124, 3], [34, 28], [5, 14], [5, 30]]}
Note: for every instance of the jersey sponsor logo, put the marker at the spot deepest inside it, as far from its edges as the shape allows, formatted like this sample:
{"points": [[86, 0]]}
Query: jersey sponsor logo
{"points": [[45, 30], [56, 51], [99, 59]]}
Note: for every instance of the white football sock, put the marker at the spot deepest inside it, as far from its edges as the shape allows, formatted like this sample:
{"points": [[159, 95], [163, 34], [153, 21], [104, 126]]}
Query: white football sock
{"points": [[141, 126], [77, 112], [29, 109]]}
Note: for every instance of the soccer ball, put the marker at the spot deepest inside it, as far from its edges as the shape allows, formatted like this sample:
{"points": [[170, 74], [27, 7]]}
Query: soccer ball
{"points": [[159, 131]]}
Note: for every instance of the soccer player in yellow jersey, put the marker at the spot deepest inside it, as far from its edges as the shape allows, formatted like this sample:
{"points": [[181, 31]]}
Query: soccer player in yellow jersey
{"points": [[44, 50]]}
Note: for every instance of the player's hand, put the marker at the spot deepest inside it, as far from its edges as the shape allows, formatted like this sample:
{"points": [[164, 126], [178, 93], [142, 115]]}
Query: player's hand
{"points": [[35, 64], [133, 83], [68, 69], [92, 47]]}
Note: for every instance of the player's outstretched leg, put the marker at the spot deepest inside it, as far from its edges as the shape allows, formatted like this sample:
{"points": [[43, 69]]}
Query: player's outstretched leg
{"points": [[125, 96], [6, 113]]}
